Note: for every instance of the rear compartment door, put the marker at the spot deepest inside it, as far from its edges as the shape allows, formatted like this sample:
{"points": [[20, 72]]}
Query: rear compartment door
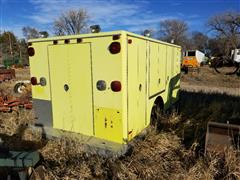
{"points": [[71, 87], [137, 90]]}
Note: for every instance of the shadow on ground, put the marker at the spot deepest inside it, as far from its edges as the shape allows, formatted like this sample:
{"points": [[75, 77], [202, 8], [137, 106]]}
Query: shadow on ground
{"points": [[196, 109]]}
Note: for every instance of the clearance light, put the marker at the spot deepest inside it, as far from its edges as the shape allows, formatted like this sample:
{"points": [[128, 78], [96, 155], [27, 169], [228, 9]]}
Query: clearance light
{"points": [[116, 37], [79, 40], [95, 28], [66, 41], [116, 86], [31, 51], [34, 81], [147, 33], [129, 41], [115, 47]]}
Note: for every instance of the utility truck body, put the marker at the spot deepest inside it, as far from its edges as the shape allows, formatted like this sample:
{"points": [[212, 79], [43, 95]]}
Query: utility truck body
{"points": [[102, 85]]}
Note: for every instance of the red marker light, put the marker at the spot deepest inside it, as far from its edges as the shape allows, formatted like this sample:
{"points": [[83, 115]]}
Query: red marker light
{"points": [[34, 81], [116, 37], [31, 51], [115, 47], [116, 86]]}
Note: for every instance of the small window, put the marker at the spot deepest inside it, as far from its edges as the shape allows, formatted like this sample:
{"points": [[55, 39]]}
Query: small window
{"points": [[191, 53], [238, 52]]}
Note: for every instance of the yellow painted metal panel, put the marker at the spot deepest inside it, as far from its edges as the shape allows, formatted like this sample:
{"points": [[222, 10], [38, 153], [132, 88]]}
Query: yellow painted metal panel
{"points": [[70, 66], [108, 124], [61, 105], [137, 78], [39, 68], [154, 77], [106, 67], [162, 65]]}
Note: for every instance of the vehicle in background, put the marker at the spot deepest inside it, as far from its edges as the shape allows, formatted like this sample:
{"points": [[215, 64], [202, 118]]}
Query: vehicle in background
{"points": [[192, 59], [235, 54], [232, 61]]}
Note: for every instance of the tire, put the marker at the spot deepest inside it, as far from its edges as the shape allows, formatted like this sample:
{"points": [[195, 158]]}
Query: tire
{"points": [[156, 114], [19, 87]]}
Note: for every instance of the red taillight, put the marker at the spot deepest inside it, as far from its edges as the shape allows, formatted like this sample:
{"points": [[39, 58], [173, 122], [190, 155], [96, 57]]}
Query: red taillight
{"points": [[115, 47], [116, 86], [34, 81], [31, 51]]}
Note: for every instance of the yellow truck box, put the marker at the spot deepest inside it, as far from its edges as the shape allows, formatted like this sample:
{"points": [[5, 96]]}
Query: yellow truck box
{"points": [[102, 85]]}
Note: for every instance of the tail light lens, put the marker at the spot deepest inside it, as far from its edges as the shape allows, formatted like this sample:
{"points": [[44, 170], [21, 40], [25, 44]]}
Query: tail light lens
{"points": [[34, 81], [31, 51], [101, 85], [116, 86], [43, 81], [115, 47]]}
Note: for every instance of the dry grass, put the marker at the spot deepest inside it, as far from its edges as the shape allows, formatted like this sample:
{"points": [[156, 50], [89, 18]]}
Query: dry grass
{"points": [[23, 73], [174, 152]]}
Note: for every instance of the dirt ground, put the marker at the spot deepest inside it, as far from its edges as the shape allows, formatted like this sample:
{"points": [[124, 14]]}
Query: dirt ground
{"points": [[174, 150], [208, 80]]}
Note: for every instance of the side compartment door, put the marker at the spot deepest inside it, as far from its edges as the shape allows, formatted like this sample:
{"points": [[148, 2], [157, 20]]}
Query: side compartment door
{"points": [[137, 78], [162, 66], [71, 87], [59, 80], [154, 77]]}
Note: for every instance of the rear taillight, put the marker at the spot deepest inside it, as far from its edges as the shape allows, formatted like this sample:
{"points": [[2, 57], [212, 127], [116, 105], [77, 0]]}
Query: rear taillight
{"points": [[115, 47], [31, 51], [116, 86], [34, 81]]}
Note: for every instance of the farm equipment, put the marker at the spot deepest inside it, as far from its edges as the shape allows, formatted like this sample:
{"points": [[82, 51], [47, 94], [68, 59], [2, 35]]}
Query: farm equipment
{"points": [[103, 85], [9, 104], [225, 61], [221, 135], [192, 60], [20, 86], [6, 74], [16, 164]]}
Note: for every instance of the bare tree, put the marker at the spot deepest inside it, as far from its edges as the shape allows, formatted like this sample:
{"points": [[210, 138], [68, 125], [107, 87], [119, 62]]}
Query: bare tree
{"points": [[30, 33], [174, 30], [227, 28], [199, 41], [71, 22]]}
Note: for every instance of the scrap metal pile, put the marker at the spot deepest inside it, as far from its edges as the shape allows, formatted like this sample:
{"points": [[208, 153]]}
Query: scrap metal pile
{"points": [[7, 74], [9, 103]]}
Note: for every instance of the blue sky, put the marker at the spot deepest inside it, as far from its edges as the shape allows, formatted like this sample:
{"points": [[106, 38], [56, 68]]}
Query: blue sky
{"points": [[131, 15]]}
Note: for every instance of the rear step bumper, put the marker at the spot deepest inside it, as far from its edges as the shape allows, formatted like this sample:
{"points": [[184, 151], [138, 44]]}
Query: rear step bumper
{"points": [[220, 136], [89, 144]]}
